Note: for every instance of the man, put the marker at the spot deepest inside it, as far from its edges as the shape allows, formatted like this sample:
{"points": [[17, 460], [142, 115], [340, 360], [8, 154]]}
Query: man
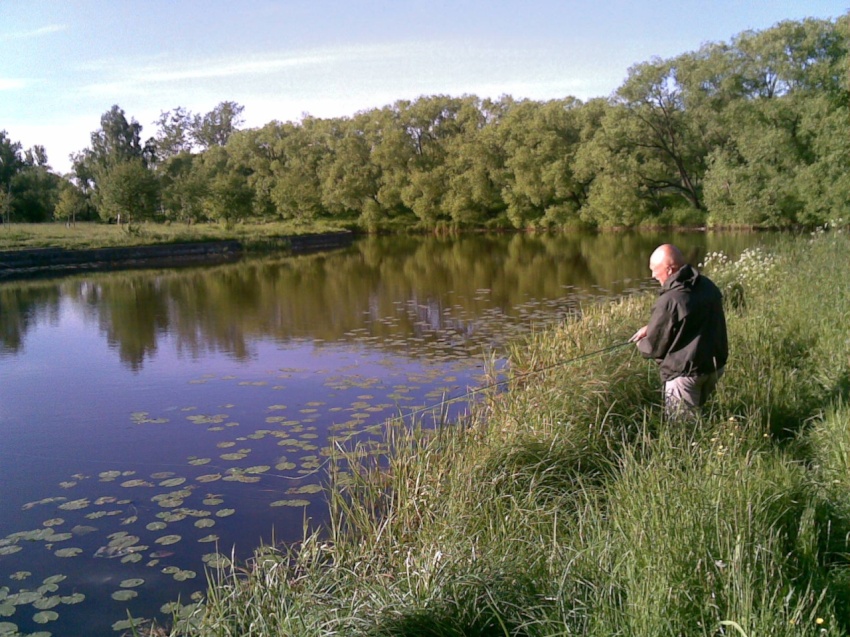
{"points": [[686, 333]]}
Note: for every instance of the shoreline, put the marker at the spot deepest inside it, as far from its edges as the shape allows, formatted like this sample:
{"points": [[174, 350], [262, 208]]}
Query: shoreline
{"points": [[39, 262]]}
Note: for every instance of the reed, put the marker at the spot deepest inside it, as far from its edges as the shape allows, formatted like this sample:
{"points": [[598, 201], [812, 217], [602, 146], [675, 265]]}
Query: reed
{"points": [[568, 506]]}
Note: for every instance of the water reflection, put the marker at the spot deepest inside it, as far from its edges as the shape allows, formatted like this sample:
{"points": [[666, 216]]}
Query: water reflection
{"points": [[435, 288]]}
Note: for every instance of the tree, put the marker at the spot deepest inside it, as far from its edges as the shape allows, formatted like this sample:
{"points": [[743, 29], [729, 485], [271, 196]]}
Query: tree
{"points": [[117, 141], [5, 206], [228, 197], [10, 160], [475, 163], [35, 192], [175, 133], [183, 187], [349, 178], [72, 204], [216, 127], [128, 192], [540, 141], [299, 151], [36, 156]]}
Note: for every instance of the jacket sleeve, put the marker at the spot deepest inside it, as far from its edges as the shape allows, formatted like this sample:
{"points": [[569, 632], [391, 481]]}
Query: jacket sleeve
{"points": [[660, 332]]}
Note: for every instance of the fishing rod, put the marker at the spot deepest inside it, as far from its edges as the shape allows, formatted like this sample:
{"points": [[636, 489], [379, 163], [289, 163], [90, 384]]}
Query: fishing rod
{"points": [[477, 390]]}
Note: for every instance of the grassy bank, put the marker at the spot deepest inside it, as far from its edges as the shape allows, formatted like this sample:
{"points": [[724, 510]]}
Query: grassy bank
{"points": [[567, 506], [89, 235]]}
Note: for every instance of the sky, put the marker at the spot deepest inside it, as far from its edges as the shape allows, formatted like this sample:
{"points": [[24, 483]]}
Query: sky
{"points": [[64, 63]]}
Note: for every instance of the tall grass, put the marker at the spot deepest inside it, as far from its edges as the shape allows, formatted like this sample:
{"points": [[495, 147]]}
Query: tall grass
{"points": [[569, 506]]}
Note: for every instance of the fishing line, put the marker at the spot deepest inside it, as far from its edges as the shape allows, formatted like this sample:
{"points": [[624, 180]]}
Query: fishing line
{"points": [[477, 390]]}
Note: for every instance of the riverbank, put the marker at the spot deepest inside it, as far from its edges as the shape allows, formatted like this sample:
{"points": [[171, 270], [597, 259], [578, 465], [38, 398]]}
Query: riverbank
{"points": [[568, 506], [49, 261]]}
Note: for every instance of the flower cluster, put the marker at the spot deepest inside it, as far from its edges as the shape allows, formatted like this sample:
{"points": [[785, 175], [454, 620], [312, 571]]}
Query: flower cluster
{"points": [[837, 226], [754, 268]]}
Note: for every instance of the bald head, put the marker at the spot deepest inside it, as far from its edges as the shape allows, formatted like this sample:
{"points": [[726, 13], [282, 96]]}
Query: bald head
{"points": [[665, 260]]}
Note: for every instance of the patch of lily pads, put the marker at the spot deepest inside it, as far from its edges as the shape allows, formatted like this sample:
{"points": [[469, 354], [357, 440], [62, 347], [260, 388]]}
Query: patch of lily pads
{"points": [[157, 500]]}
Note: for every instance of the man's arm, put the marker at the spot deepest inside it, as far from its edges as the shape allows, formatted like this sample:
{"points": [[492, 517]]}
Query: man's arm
{"points": [[659, 333]]}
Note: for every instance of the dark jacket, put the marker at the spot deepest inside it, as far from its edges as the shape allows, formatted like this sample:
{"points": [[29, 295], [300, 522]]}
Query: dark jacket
{"points": [[686, 333]]}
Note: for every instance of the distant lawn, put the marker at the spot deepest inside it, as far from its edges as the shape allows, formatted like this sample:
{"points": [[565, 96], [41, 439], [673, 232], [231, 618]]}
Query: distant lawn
{"points": [[19, 236]]}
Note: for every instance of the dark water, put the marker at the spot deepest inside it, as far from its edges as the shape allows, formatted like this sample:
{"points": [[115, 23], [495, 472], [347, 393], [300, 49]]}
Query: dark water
{"points": [[152, 422]]}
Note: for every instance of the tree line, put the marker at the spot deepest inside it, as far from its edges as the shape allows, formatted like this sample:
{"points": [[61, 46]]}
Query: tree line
{"points": [[750, 132]]}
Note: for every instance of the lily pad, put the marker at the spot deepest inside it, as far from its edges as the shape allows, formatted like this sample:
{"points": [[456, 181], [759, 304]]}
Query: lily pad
{"points": [[74, 505], [136, 483], [45, 616], [216, 560], [132, 583], [124, 595], [238, 477], [46, 603], [290, 503], [76, 598], [53, 522], [204, 523], [307, 488], [233, 456], [182, 576], [165, 540], [68, 552], [224, 513], [127, 624], [55, 579], [82, 529], [209, 538]]}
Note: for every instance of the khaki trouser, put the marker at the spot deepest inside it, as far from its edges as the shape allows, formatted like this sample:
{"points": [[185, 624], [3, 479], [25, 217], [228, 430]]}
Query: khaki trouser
{"points": [[686, 394]]}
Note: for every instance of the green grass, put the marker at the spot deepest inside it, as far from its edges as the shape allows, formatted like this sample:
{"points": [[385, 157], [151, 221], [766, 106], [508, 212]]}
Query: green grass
{"points": [[19, 236], [568, 506]]}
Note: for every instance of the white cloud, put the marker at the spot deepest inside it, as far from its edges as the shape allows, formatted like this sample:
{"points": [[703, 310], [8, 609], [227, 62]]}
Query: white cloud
{"points": [[12, 84], [35, 33]]}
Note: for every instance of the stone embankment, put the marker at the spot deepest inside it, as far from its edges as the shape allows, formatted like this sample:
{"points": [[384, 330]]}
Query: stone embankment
{"points": [[47, 261]]}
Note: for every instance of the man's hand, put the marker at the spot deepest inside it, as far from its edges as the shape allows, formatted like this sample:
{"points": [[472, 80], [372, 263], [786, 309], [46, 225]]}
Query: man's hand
{"points": [[641, 333]]}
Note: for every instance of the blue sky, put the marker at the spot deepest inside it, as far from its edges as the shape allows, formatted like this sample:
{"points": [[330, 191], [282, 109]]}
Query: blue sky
{"points": [[64, 63]]}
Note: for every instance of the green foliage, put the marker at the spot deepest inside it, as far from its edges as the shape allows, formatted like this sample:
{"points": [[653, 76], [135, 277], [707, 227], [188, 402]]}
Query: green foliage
{"points": [[128, 192], [72, 204], [35, 192]]}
